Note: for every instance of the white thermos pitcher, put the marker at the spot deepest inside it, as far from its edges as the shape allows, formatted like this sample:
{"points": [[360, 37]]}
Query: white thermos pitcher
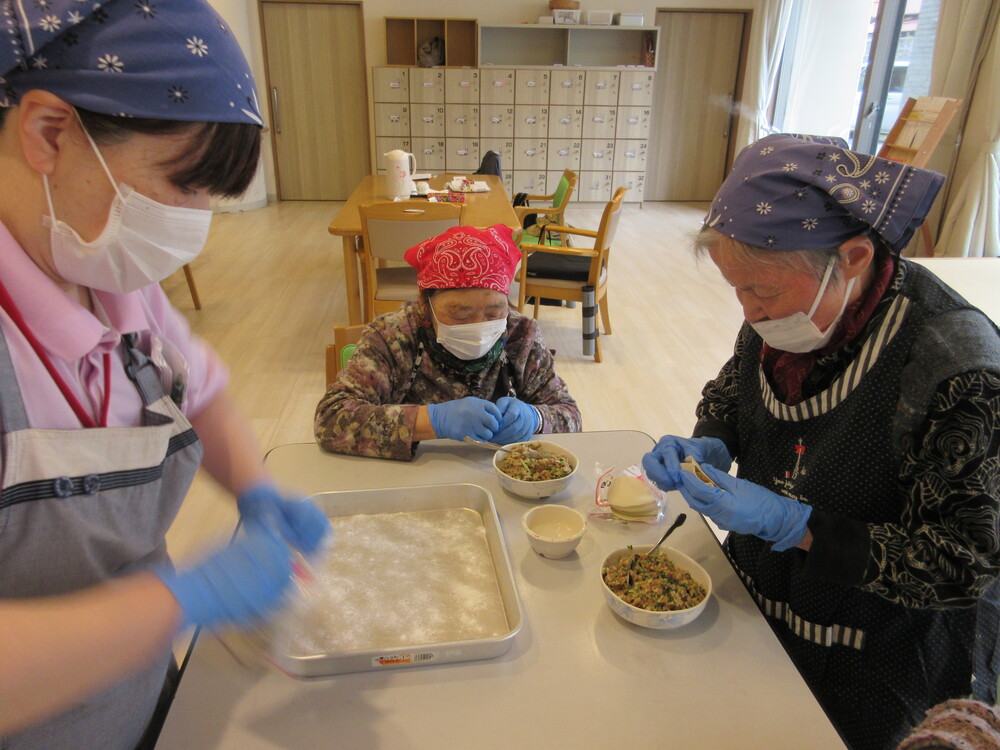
{"points": [[398, 179]]}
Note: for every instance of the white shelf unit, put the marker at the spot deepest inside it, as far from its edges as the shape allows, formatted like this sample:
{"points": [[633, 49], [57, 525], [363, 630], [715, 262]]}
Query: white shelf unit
{"points": [[525, 103]]}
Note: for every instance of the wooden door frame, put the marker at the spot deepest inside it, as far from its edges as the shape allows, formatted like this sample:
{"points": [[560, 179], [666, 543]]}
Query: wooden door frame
{"points": [[267, 70], [741, 67]]}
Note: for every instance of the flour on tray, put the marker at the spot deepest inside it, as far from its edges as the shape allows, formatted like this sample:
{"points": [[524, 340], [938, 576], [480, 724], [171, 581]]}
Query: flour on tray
{"points": [[401, 579]]}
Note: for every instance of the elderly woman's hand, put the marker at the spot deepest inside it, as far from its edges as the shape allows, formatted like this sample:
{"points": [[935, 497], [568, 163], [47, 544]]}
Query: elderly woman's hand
{"points": [[475, 417], [662, 465], [519, 421], [746, 508]]}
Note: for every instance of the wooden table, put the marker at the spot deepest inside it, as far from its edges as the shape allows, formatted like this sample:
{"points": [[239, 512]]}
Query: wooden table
{"points": [[576, 676], [481, 210]]}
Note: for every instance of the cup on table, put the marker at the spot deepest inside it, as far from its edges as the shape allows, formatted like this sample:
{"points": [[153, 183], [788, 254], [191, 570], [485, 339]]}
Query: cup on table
{"points": [[553, 530]]}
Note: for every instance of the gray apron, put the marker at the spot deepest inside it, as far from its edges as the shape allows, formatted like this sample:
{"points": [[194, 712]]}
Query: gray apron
{"points": [[78, 507]]}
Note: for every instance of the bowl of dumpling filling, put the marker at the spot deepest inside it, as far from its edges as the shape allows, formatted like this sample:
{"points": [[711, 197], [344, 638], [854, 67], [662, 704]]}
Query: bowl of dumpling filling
{"points": [[661, 591], [534, 469]]}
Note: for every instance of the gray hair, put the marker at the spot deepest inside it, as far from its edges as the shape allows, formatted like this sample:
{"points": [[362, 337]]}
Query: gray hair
{"points": [[807, 261]]}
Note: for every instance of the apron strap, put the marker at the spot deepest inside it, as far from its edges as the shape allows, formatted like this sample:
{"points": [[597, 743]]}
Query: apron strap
{"points": [[13, 416], [141, 370]]}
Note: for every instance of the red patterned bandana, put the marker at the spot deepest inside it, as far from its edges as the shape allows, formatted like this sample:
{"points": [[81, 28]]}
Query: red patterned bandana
{"points": [[466, 258], [788, 370]]}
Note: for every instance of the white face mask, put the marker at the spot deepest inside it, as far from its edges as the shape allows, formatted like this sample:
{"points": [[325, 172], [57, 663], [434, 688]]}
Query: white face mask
{"points": [[797, 333], [143, 241], [470, 341]]}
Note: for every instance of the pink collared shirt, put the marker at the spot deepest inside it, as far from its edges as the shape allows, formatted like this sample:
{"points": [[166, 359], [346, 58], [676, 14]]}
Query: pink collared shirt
{"points": [[76, 340]]}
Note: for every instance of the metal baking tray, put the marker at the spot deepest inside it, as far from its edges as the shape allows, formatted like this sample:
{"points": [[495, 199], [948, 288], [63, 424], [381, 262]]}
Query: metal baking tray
{"points": [[287, 653]]}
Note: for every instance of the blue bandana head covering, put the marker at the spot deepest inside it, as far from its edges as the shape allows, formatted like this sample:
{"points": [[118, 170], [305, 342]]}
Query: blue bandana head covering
{"points": [[158, 59], [792, 192]]}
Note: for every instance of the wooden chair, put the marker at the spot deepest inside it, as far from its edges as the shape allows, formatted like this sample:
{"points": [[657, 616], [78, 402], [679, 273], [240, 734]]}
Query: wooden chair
{"points": [[919, 128], [388, 230], [558, 200], [570, 286], [191, 286], [345, 338]]}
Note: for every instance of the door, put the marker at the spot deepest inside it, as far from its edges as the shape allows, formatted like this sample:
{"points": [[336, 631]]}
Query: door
{"points": [[318, 95], [696, 75]]}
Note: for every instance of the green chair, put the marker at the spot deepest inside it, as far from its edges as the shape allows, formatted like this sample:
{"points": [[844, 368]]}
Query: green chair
{"points": [[556, 214], [345, 340]]}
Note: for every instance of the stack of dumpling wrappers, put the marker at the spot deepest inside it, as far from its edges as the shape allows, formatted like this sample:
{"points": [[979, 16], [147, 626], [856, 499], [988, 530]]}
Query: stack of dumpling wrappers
{"points": [[631, 499]]}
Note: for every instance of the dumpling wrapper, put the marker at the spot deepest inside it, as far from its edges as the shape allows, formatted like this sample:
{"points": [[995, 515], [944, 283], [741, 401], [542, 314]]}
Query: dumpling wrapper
{"points": [[691, 466], [630, 496]]}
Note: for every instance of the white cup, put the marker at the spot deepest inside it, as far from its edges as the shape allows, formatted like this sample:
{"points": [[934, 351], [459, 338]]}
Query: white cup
{"points": [[554, 530]]}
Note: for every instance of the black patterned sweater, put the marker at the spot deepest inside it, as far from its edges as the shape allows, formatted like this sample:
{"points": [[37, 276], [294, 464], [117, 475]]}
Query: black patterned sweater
{"points": [[944, 550]]}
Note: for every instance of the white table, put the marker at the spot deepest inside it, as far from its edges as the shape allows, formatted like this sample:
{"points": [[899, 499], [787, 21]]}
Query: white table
{"points": [[976, 279], [575, 677]]}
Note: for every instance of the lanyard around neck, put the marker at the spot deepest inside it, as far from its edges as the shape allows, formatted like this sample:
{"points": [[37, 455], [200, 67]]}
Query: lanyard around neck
{"points": [[7, 303]]}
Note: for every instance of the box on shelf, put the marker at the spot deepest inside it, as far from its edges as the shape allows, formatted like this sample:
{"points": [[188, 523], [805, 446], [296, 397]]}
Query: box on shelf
{"points": [[545, 19], [566, 17], [629, 19], [599, 17]]}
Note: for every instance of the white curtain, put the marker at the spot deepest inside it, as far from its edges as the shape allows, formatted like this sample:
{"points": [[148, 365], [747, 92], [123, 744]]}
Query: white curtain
{"points": [[967, 65], [767, 40]]}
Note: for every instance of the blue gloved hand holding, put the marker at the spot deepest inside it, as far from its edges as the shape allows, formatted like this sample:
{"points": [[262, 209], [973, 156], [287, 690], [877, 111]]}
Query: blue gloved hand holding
{"points": [[519, 421], [662, 465], [236, 585], [746, 508], [299, 521], [475, 417]]}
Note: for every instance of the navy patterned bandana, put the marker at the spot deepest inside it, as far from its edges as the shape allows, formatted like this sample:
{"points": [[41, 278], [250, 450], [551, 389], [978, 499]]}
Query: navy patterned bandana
{"points": [[803, 192], [159, 59]]}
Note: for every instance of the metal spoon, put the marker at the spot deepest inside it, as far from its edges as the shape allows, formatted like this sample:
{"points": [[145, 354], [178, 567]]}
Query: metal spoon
{"points": [[495, 446], [680, 519]]}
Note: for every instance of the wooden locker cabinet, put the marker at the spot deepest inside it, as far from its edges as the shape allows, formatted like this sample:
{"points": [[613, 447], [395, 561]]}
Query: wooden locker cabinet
{"points": [[545, 99]]}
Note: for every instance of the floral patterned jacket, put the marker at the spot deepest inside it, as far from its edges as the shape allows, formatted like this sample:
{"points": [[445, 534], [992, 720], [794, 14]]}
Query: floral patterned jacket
{"points": [[372, 408]]}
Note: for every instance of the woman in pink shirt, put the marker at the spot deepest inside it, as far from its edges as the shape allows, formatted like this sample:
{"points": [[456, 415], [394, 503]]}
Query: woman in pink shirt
{"points": [[117, 122]]}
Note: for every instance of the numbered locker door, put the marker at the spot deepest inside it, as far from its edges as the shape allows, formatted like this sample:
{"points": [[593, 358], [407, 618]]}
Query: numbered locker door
{"points": [[599, 122], [566, 87], [391, 84], [633, 122], [635, 182], [597, 156], [594, 187], [635, 89], [461, 85], [630, 156], [429, 154], [504, 147], [427, 120], [564, 154], [427, 85], [529, 154], [565, 122], [461, 155], [532, 183], [601, 88], [496, 120], [496, 86], [531, 87], [461, 120], [531, 121], [392, 119]]}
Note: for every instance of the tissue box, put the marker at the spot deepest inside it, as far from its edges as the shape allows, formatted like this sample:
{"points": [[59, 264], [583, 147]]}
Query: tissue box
{"points": [[599, 17], [566, 17], [630, 19]]}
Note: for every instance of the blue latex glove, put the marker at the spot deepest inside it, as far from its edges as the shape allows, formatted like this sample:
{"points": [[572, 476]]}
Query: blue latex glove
{"points": [[662, 465], [475, 417], [747, 508], [299, 521], [237, 585], [519, 421]]}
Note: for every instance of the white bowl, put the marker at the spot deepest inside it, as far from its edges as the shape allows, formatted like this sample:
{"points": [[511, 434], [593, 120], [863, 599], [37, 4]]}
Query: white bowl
{"points": [[648, 618], [535, 490], [553, 530]]}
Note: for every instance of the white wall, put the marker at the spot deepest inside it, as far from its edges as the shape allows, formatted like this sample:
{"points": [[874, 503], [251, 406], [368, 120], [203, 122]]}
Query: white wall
{"points": [[244, 17]]}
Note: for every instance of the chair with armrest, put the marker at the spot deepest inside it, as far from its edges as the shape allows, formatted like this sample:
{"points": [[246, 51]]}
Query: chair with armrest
{"points": [[589, 267], [345, 338], [388, 230], [559, 200]]}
